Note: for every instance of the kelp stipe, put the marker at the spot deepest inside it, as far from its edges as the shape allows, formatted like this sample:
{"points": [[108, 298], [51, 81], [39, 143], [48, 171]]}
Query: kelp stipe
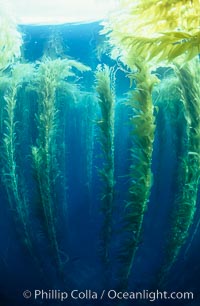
{"points": [[89, 146], [88, 106], [143, 126], [11, 174], [4, 84], [188, 171], [50, 75], [106, 101]]}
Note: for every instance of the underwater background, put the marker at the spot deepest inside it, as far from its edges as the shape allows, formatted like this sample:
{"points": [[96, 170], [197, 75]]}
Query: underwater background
{"points": [[69, 160]]}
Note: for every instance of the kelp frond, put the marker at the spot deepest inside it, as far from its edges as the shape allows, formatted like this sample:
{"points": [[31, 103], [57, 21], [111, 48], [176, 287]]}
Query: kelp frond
{"points": [[166, 47], [159, 31], [143, 127], [11, 174], [10, 37], [50, 76], [45, 164], [188, 170], [79, 66], [106, 100]]}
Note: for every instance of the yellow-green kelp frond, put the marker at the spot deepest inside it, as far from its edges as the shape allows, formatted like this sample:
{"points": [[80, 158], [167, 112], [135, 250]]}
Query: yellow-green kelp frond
{"points": [[143, 127], [10, 37], [166, 47], [11, 174], [154, 16], [106, 101], [188, 171], [156, 30]]}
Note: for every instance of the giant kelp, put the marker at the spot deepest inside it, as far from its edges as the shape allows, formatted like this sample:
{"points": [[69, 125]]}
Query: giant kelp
{"points": [[106, 100], [160, 32], [11, 174], [10, 37], [143, 127], [50, 75], [188, 169], [88, 106], [171, 138], [142, 136], [157, 30]]}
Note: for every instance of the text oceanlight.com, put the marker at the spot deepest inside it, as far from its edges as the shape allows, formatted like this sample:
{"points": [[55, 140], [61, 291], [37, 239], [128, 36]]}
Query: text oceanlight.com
{"points": [[75, 294]]}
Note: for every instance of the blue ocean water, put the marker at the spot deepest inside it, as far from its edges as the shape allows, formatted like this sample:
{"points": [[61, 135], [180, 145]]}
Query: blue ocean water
{"points": [[79, 217]]}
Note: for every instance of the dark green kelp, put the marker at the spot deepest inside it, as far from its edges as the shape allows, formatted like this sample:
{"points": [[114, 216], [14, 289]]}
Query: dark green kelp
{"points": [[188, 168], [171, 133], [11, 174], [106, 100], [50, 75]]}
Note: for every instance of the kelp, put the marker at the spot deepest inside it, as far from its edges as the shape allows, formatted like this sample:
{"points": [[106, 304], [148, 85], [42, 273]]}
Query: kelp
{"points": [[143, 126], [166, 47], [171, 132], [157, 15], [11, 174], [159, 31], [171, 115], [50, 75], [188, 170], [106, 101], [88, 105], [89, 146], [10, 37]]}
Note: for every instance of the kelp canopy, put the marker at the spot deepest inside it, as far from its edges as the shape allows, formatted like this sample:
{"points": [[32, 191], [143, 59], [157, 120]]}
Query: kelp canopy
{"points": [[158, 30], [10, 37]]}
